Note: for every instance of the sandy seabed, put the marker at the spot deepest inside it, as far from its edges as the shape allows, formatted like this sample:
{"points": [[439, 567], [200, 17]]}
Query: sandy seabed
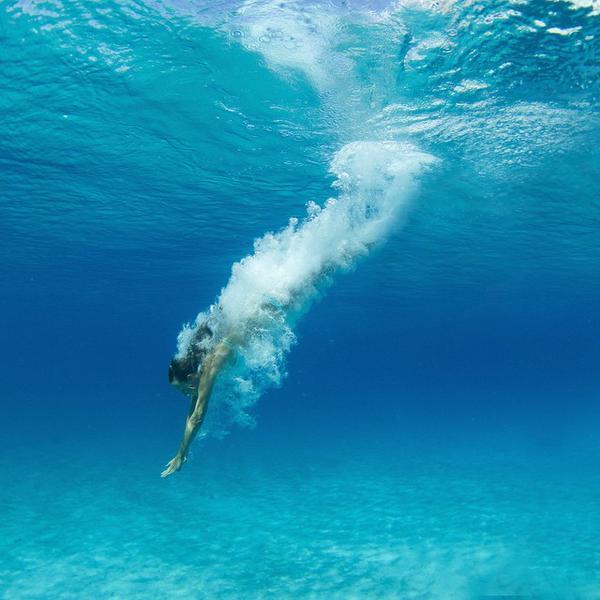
{"points": [[391, 519]]}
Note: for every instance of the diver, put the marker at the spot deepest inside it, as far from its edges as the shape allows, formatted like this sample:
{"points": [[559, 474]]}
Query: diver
{"points": [[194, 374], [202, 357], [214, 343]]}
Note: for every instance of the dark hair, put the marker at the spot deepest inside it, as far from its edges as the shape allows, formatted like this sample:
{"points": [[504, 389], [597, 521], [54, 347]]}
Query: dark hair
{"points": [[181, 368]]}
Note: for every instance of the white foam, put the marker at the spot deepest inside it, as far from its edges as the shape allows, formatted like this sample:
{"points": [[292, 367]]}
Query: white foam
{"points": [[563, 31], [375, 180], [594, 5], [292, 36]]}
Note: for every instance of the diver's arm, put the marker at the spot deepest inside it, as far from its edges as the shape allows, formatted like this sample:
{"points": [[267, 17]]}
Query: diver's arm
{"points": [[212, 367]]}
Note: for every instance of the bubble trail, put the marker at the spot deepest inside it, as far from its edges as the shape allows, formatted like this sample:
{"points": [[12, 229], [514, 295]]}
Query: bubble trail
{"points": [[269, 289]]}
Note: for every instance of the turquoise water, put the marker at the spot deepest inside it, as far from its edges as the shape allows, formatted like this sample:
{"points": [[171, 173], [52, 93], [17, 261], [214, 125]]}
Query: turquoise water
{"points": [[396, 203]]}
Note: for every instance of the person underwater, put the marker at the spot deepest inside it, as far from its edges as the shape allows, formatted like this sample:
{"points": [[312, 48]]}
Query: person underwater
{"points": [[194, 374]]}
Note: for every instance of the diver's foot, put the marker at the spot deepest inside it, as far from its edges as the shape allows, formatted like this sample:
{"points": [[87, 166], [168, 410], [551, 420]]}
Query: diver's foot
{"points": [[172, 466]]}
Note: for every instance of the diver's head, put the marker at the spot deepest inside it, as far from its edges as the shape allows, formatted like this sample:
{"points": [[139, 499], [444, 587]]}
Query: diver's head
{"points": [[183, 374], [184, 370], [179, 370]]}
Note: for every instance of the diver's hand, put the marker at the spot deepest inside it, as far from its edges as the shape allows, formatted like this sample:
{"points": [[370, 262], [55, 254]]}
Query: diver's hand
{"points": [[173, 465]]}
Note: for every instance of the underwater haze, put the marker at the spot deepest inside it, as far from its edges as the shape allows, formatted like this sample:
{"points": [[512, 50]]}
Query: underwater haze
{"points": [[398, 203]]}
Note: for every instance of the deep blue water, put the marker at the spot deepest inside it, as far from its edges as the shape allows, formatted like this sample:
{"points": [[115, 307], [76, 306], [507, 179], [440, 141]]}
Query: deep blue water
{"points": [[432, 430]]}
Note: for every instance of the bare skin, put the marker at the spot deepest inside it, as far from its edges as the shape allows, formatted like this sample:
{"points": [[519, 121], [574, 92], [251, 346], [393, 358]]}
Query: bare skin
{"points": [[209, 372]]}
